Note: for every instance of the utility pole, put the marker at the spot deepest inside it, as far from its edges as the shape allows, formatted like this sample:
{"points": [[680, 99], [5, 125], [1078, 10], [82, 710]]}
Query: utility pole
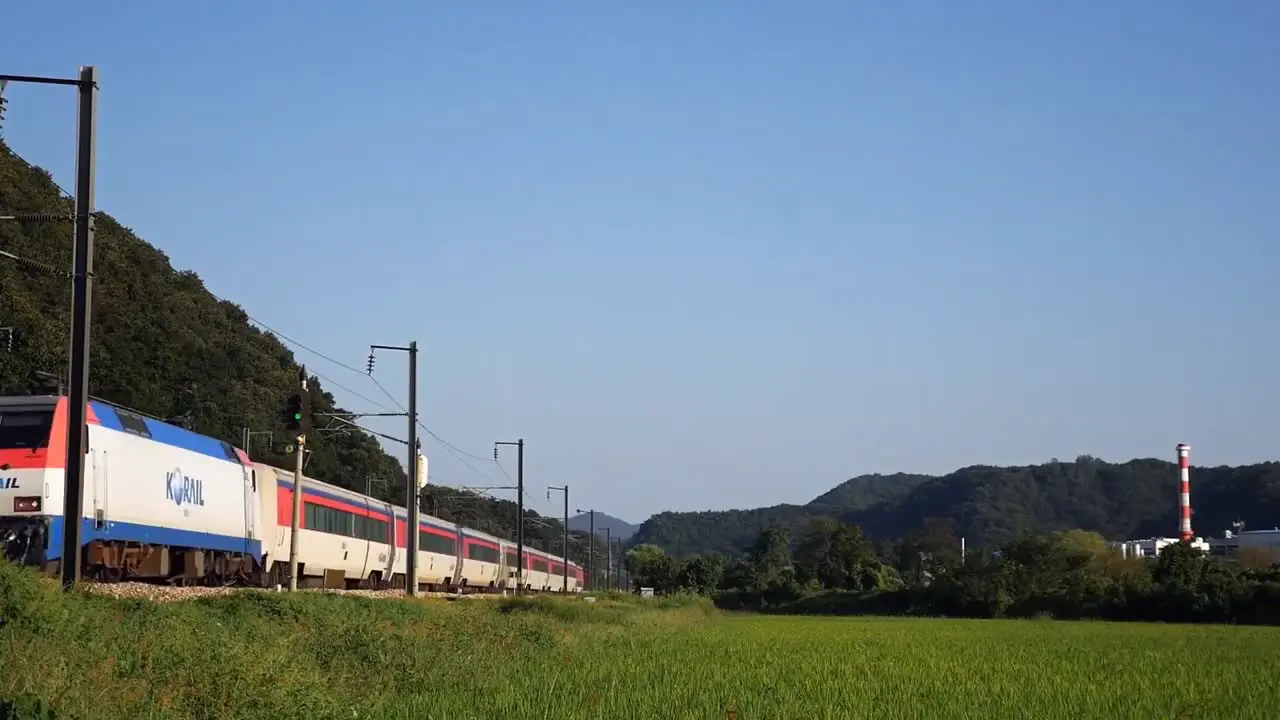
{"points": [[564, 489], [519, 443], [411, 478], [81, 312], [81, 320], [412, 489], [608, 557], [591, 548], [618, 572], [298, 412]]}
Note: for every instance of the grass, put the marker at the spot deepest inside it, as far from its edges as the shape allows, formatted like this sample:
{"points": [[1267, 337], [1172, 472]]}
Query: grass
{"points": [[266, 655]]}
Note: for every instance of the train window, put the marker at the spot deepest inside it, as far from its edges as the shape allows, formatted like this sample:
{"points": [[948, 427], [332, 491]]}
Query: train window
{"points": [[25, 429], [372, 529], [432, 543], [327, 520], [539, 565], [229, 451], [511, 560], [133, 423], [483, 553]]}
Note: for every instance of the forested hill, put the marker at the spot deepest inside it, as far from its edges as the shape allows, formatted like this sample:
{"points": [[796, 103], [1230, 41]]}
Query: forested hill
{"points": [[617, 528], [988, 504], [163, 345]]}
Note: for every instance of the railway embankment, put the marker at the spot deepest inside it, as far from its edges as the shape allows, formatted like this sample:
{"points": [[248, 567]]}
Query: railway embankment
{"points": [[130, 651]]}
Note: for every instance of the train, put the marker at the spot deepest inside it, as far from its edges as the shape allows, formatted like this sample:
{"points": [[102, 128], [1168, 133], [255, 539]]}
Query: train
{"points": [[165, 504]]}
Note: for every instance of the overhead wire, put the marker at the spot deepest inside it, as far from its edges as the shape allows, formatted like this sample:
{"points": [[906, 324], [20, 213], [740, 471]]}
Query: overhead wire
{"points": [[289, 340], [460, 454]]}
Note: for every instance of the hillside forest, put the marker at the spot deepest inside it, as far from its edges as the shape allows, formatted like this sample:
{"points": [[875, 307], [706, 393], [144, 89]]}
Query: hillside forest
{"points": [[188, 357]]}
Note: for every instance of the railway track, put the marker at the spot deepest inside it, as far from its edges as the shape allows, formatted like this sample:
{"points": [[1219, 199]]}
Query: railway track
{"points": [[157, 592]]}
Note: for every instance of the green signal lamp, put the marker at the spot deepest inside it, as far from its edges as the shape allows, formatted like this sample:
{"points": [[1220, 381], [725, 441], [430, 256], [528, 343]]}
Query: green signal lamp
{"points": [[297, 413]]}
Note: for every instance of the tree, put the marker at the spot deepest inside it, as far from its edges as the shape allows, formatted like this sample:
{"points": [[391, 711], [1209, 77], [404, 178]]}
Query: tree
{"points": [[770, 561], [650, 566], [835, 555], [771, 553], [700, 574], [929, 551], [1179, 567]]}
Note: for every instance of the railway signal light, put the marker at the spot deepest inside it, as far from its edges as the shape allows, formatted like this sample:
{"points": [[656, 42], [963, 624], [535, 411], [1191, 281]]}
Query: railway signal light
{"points": [[297, 415]]}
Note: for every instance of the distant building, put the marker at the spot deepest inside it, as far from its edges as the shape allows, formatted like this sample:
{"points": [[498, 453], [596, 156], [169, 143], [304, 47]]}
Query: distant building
{"points": [[1231, 543], [1151, 547]]}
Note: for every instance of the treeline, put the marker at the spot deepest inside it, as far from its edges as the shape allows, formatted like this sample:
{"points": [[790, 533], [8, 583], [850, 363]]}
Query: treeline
{"points": [[833, 568]]}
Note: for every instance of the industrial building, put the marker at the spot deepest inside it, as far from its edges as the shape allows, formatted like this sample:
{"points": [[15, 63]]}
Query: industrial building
{"points": [[1230, 543], [1151, 547]]}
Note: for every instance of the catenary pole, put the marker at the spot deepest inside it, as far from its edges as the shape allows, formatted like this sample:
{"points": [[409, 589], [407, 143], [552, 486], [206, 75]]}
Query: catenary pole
{"points": [[519, 443], [413, 504], [300, 452], [564, 542], [520, 512], [81, 320], [412, 508], [591, 547], [608, 557]]}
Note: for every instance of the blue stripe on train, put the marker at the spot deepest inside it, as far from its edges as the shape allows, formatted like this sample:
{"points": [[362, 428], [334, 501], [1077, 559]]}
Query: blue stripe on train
{"points": [[167, 434], [132, 532]]}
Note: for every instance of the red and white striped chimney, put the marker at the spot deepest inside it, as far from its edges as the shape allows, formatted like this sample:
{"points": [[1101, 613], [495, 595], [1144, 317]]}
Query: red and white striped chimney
{"points": [[1184, 497]]}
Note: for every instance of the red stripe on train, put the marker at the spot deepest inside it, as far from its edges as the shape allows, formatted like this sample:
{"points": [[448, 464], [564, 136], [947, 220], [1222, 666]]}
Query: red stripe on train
{"points": [[284, 506], [53, 457]]}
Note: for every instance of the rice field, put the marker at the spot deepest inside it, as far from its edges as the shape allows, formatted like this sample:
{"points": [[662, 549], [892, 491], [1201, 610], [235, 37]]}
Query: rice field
{"points": [[844, 668], [312, 655]]}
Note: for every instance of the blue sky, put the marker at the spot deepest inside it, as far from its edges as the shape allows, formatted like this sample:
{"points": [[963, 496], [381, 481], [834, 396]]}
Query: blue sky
{"points": [[717, 257]]}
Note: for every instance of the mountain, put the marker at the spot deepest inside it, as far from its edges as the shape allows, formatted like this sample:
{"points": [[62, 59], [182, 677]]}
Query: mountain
{"points": [[164, 346], [988, 504], [618, 529], [867, 491]]}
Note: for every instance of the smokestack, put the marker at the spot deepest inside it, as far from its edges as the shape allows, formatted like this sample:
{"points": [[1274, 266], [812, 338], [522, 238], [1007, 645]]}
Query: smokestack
{"points": [[1184, 497]]}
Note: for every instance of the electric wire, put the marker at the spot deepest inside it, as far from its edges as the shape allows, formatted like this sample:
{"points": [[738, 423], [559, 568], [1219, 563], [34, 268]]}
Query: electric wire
{"points": [[458, 453]]}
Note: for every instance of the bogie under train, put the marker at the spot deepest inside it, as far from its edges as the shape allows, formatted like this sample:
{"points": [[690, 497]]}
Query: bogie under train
{"points": [[162, 503]]}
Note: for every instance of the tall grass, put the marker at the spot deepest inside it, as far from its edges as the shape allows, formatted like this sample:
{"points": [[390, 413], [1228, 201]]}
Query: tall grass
{"points": [[267, 655]]}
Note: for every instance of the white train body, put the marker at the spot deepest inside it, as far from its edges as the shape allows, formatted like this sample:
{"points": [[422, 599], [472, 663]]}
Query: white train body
{"points": [[164, 502]]}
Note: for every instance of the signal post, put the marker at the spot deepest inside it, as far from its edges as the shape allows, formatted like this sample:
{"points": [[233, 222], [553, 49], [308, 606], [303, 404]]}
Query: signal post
{"points": [[298, 419]]}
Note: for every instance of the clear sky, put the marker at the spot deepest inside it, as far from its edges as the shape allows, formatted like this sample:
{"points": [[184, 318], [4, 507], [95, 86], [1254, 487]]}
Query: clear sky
{"points": [[717, 257]]}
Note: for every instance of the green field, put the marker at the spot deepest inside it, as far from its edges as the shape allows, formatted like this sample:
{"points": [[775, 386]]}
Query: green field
{"points": [[267, 655]]}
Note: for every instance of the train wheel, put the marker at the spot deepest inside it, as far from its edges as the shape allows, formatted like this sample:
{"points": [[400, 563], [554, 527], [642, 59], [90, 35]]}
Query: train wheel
{"points": [[109, 574]]}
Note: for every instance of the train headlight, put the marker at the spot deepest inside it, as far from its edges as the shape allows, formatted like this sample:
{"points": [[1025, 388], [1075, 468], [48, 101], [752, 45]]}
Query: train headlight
{"points": [[26, 504]]}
